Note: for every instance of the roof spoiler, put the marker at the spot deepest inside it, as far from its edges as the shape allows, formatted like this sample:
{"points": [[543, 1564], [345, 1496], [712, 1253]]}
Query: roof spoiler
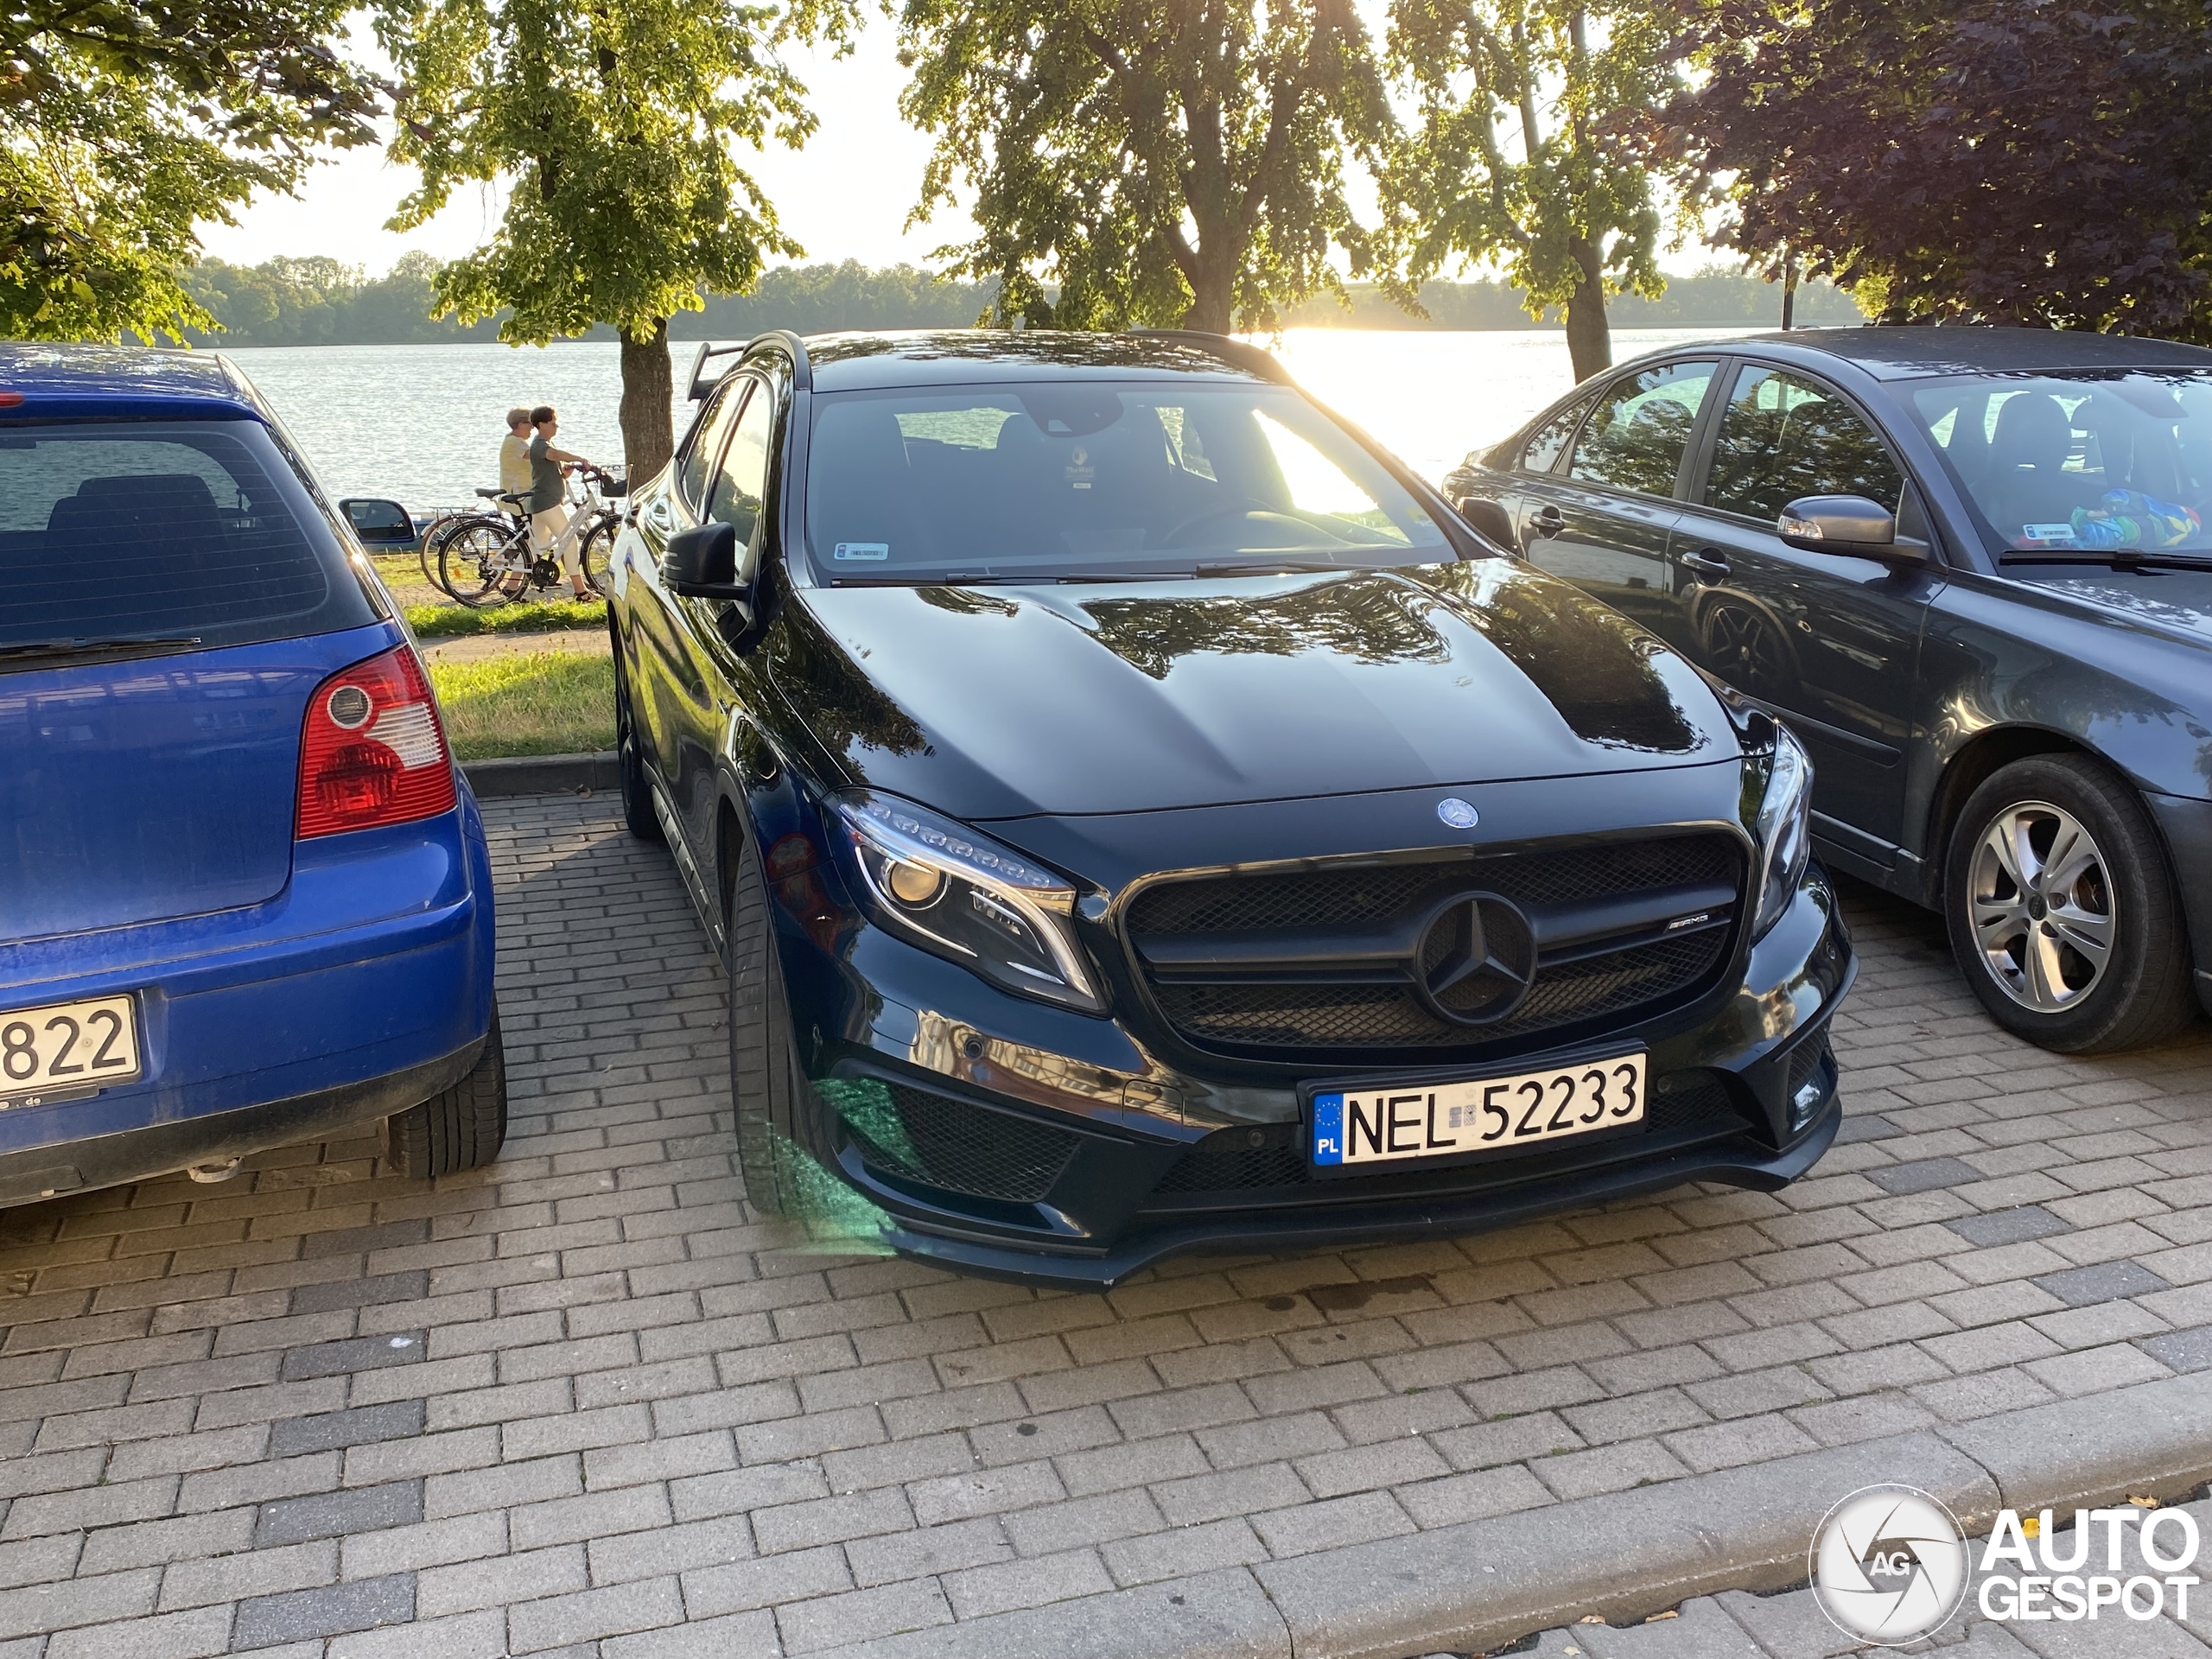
{"points": [[1238, 353], [704, 380]]}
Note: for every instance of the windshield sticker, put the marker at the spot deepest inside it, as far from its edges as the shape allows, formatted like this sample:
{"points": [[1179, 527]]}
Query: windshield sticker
{"points": [[2060, 535], [1080, 470], [861, 551]]}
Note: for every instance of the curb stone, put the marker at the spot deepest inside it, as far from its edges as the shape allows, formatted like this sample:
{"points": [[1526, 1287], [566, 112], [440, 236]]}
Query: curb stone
{"points": [[1624, 1555], [541, 774]]}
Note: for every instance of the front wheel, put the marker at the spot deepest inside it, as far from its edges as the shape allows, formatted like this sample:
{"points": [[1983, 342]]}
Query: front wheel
{"points": [[638, 815], [460, 1128], [597, 547], [2062, 912], [483, 564], [774, 1100]]}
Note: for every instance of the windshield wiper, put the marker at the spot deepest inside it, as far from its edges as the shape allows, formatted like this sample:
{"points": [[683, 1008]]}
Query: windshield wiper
{"points": [[1269, 567], [101, 644], [2120, 558]]}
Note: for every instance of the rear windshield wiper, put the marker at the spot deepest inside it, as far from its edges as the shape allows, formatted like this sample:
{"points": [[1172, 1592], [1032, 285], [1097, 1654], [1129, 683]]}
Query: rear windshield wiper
{"points": [[101, 645]]}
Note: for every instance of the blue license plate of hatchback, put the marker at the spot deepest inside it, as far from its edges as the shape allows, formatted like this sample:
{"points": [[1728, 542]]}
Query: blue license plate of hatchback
{"points": [[1359, 1126]]}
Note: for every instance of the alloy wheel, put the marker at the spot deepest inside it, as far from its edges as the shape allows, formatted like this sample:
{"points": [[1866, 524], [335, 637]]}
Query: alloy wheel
{"points": [[2041, 907]]}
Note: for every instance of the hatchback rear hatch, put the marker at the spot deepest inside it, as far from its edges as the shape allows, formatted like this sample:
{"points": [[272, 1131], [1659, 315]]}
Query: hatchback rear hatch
{"points": [[171, 596]]}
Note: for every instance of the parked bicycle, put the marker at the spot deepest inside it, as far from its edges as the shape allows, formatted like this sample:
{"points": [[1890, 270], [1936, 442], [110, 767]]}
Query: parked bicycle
{"points": [[484, 559]]}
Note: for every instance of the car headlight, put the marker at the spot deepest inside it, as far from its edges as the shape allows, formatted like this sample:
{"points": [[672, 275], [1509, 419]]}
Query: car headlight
{"points": [[953, 891], [1783, 828]]}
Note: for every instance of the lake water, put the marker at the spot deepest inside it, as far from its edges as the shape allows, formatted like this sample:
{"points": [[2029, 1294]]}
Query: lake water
{"points": [[423, 423]]}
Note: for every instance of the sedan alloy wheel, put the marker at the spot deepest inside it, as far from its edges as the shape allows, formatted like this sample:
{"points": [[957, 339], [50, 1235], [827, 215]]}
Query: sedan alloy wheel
{"points": [[2043, 911]]}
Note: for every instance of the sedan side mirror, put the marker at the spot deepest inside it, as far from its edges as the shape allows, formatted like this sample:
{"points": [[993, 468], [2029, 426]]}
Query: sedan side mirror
{"points": [[1849, 524], [377, 523], [1491, 518], [701, 564]]}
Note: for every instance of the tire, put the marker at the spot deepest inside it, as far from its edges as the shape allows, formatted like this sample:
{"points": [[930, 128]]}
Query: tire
{"points": [[2054, 858], [465, 569], [637, 814], [775, 1103], [597, 548], [461, 1129]]}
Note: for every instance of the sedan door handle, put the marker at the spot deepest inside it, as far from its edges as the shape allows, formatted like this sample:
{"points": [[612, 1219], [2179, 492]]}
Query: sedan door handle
{"points": [[1706, 564], [1549, 522]]}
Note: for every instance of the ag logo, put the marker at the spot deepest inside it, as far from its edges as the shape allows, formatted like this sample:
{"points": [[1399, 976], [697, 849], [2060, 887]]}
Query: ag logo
{"points": [[1888, 1565]]}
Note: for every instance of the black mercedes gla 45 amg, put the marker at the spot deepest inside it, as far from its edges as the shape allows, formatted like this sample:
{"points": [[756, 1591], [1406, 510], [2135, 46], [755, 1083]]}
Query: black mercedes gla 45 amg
{"points": [[1137, 815]]}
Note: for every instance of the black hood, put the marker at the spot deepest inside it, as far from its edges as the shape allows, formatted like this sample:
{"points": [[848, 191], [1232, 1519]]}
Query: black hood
{"points": [[1002, 702]]}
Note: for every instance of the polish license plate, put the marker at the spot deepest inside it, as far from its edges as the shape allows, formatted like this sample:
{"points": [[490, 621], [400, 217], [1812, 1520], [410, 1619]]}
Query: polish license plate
{"points": [[1354, 1126], [67, 1049]]}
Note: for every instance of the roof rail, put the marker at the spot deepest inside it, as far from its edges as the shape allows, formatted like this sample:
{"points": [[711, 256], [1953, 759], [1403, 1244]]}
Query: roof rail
{"points": [[793, 347], [702, 382], [1239, 353]]}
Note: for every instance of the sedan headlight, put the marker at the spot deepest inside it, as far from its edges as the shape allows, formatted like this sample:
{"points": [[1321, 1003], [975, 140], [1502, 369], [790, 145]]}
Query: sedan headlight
{"points": [[1783, 828], [950, 891]]}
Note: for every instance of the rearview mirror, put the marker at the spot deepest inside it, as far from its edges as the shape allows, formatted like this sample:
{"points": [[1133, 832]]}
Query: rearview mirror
{"points": [[378, 523], [1491, 518], [701, 564], [1849, 524]]}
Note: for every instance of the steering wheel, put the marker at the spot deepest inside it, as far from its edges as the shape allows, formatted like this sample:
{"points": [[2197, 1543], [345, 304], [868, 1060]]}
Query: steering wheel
{"points": [[1171, 539]]}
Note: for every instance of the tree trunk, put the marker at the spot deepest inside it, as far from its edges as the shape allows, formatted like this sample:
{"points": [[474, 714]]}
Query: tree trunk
{"points": [[1213, 299], [648, 387], [1789, 290], [1589, 335]]}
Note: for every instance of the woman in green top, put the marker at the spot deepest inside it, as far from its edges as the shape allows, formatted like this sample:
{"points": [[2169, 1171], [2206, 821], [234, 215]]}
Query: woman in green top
{"points": [[550, 527]]}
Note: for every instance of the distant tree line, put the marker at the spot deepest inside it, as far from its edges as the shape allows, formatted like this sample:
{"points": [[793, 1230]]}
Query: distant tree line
{"points": [[320, 302]]}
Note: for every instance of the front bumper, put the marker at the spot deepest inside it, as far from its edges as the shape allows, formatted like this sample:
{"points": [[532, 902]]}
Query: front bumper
{"points": [[1079, 1142]]}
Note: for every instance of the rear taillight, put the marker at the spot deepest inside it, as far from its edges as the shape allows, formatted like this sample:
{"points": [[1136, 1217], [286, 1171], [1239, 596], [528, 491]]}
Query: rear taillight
{"points": [[372, 751]]}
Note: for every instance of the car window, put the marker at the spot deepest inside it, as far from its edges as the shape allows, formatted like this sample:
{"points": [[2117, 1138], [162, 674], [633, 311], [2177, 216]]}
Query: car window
{"points": [[1543, 450], [706, 438], [1041, 479], [2096, 460], [1635, 438], [190, 527], [741, 480], [1783, 435]]}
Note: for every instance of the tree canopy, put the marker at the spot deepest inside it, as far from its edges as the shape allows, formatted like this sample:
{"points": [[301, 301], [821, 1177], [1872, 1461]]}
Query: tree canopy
{"points": [[2036, 162], [1522, 152], [615, 122], [123, 125], [1161, 161]]}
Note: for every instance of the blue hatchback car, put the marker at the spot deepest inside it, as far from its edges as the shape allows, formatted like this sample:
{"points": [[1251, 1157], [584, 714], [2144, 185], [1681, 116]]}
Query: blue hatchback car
{"points": [[245, 896]]}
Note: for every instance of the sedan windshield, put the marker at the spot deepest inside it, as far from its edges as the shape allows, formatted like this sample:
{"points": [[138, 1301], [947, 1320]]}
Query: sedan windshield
{"points": [[1075, 478], [2098, 462]]}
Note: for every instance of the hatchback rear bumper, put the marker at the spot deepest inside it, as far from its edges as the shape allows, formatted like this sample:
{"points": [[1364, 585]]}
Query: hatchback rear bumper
{"points": [[158, 1149]]}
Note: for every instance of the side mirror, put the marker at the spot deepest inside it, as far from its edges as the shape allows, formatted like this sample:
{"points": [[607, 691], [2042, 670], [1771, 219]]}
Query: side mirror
{"points": [[378, 523], [1491, 518], [701, 564], [1849, 524]]}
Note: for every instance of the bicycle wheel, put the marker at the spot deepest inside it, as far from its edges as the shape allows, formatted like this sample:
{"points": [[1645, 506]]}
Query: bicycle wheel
{"points": [[483, 563], [426, 550], [435, 540], [598, 546]]}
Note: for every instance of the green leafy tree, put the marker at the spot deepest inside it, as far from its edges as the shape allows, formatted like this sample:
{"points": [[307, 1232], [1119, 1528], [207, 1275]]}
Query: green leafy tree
{"points": [[614, 122], [124, 125], [1161, 161], [1523, 150]]}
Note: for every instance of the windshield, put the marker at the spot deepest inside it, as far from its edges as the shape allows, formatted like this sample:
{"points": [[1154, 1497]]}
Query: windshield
{"points": [[2093, 461], [184, 531], [1083, 478]]}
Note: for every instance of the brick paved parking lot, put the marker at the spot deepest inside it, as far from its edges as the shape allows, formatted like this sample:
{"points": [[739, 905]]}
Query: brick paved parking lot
{"points": [[585, 1403]]}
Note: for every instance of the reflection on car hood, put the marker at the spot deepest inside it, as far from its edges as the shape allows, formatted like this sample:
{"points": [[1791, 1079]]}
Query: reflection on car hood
{"points": [[2179, 602], [1002, 702]]}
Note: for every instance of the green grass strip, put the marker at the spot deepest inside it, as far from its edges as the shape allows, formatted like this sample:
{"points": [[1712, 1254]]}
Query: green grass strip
{"points": [[529, 616], [532, 702]]}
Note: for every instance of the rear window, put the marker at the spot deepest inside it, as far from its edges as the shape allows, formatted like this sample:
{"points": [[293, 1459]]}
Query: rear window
{"points": [[187, 528]]}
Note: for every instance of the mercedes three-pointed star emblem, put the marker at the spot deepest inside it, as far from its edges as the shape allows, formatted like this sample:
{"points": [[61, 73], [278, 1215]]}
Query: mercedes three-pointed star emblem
{"points": [[1477, 959]]}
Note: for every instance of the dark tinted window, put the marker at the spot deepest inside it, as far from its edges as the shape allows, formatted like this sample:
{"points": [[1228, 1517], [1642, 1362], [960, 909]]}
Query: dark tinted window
{"points": [[195, 527], [1782, 436], [1636, 437], [742, 478], [706, 438], [1545, 449]]}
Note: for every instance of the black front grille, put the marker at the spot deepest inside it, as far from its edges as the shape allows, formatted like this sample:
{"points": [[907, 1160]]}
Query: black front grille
{"points": [[913, 1135], [1805, 1060], [1307, 1009], [1697, 1107]]}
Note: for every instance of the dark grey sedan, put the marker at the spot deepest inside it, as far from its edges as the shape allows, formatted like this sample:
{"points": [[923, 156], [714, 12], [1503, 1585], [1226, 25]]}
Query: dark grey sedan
{"points": [[1972, 568]]}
